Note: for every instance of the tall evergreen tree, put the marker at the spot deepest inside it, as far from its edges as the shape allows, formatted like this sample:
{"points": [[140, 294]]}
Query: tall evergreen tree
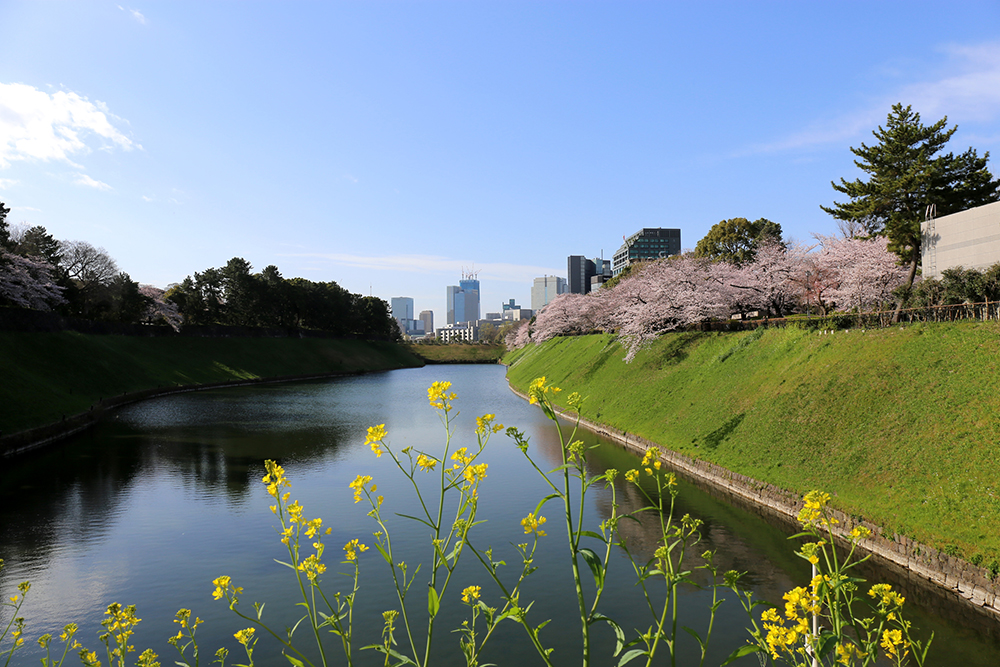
{"points": [[906, 174]]}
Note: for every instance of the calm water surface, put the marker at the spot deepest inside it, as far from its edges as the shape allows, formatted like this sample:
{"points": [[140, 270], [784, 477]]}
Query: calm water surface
{"points": [[164, 496]]}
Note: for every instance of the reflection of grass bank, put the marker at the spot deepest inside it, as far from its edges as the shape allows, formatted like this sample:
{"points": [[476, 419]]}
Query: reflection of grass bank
{"points": [[48, 375], [458, 353], [901, 425]]}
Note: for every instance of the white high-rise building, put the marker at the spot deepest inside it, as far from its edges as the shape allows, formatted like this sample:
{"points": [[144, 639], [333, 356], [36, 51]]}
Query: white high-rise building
{"points": [[545, 289]]}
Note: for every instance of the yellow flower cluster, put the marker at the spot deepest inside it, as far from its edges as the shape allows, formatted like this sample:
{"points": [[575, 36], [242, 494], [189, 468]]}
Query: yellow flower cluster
{"points": [[376, 434], [223, 587], [120, 625], [848, 653], [462, 457], [531, 524], [471, 593], [894, 644], [275, 479], [652, 458], [538, 389], [485, 424], [353, 548], [859, 533], [359, 484], [244, 636], [812, 513], [783, 635], [426, 463], [632, 475], [473, 474], [440, 397], [888, 599]]}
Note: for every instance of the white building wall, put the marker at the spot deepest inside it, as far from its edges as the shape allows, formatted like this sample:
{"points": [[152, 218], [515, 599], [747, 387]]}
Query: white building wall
{"points": [[970, 239]]}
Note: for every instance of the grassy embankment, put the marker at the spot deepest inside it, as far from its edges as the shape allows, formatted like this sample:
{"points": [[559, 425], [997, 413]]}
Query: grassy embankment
{"points": [[902, 426], [48, 375], [458, 353]]}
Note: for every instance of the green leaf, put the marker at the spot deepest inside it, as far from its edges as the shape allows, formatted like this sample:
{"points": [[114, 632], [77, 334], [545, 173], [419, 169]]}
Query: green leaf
{"points": [[415, 518], [596, 566], [694, 634], [632, 655], [740, 652], [294, 661], [538, 507], [619, 633], [590, 533], [828, 641], [433, 603], [383, 552]]}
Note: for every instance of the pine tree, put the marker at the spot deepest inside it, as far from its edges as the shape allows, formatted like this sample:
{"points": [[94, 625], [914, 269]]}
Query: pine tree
{"points": [[908, 173]]}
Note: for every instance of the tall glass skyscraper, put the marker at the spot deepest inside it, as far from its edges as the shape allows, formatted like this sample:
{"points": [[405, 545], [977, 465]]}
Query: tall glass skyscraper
{"points": [[463, 300]]}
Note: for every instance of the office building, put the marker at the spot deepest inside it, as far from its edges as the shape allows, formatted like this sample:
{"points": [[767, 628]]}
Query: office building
{"points": [[647, 244], [584, 275], [545, 290], [463, 299], [427, 317]]}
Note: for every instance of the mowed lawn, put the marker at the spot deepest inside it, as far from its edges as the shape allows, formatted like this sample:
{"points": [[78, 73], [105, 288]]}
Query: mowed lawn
{"points": [[901, 425]]}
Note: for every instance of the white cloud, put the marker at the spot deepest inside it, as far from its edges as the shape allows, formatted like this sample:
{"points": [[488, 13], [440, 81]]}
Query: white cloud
{"points": [[26, 208], [35, 125], [136, 14], [83, 179], [967, 88], [350, 178], [430, 264], [7, 182], [145, 198]]}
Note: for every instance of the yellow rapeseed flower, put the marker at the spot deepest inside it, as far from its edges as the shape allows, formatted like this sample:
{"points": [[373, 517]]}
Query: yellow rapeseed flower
{"points": [[471, 593], [245, 636], [439, 396], [538, 388], [632, 475], [375, 435], [426, 463], [532, 524], [359, 484], [353, 548]]}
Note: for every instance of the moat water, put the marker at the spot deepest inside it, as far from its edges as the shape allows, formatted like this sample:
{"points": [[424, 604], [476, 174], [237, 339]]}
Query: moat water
{"points": [[165, 495]]}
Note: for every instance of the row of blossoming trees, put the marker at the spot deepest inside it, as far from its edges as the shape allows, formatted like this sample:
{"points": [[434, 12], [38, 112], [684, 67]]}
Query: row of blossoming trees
{"points": [[839, 273]]}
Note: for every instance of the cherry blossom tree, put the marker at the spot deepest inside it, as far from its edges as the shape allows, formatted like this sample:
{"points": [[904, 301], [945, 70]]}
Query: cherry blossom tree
{"points": [[28, 282], [667, 295], [866, 272], [160, 310], [769, 282]]}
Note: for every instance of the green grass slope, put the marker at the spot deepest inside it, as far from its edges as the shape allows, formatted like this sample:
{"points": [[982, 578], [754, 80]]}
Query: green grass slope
{"points": [[902, 425], [457, 353], [48, 375]]}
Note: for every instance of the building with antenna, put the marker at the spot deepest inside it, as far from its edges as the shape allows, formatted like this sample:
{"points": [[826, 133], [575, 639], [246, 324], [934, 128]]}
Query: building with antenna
{"points": [[462, 300]]}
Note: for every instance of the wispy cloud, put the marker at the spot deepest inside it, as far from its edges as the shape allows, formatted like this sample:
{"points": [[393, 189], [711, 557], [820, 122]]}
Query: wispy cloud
{"points": [[350, 178], [26, 208], [35, 125], [967, 88], [83, 179], [136, 14], [434, 265], [145, 198], [7, 182]]}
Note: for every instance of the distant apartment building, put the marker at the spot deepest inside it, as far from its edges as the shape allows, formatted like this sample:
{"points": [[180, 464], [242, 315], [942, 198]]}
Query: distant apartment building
{"points": [[970, 239], [465, 331], [584, 275], [545, 290], [646, 244]]}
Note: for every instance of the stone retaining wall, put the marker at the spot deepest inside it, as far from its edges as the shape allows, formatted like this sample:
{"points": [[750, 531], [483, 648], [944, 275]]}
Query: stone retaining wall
{"points": [[969, 582]]}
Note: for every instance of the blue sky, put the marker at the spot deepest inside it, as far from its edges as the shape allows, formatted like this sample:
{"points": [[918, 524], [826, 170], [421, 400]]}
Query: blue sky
{"points": [[387, 145]]}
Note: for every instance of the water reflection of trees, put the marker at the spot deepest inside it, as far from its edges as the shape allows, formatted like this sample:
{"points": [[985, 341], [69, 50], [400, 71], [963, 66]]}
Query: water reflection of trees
{"points": [[71, 492]]}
